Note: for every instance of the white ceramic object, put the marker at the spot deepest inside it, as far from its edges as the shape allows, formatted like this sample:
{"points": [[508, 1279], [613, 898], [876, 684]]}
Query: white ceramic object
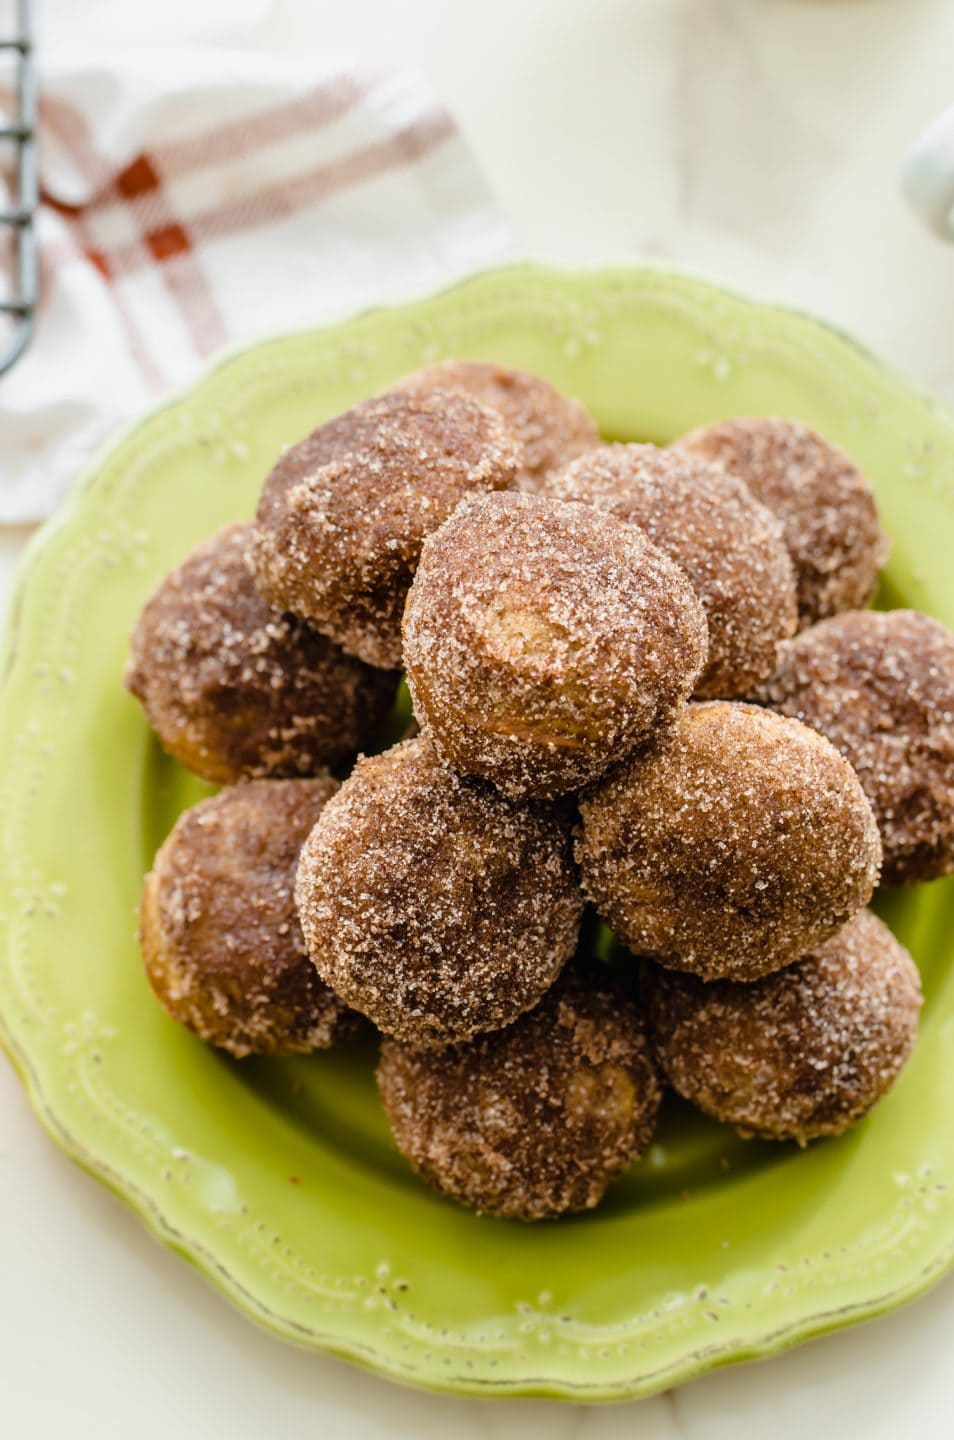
{"points": [[928, 176]]}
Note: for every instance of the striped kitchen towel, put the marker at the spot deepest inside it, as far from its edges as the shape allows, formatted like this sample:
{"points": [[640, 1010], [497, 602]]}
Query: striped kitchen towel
{"points": [[198, 198]]}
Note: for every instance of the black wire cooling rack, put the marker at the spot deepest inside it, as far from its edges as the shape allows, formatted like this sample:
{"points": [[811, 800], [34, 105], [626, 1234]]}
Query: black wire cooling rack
{"points": [[20, 304]]}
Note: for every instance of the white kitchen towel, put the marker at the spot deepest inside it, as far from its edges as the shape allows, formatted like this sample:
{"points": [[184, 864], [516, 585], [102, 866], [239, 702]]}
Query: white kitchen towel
{"points": [[196, 198]]}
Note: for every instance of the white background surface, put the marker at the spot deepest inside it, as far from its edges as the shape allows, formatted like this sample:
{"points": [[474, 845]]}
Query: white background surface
{"points": [[757, 141]]}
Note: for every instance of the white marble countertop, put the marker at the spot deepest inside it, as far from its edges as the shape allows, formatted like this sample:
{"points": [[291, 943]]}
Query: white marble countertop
{"points": [[757, 141]]}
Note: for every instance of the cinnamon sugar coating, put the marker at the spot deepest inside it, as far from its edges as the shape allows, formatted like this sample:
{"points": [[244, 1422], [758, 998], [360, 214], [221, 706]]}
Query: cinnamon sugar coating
{"points": [[535, 1120], [433, 905], [825, 504], [220, 937], [731, 846], [543, 640], [551, 428], [233, 688], [880, 686], [344, 514], [730, 548], [799, 1054]]}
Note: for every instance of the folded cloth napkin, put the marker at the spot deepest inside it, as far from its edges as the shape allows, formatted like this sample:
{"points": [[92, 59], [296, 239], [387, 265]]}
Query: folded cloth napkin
{"points": [[193, 198]]}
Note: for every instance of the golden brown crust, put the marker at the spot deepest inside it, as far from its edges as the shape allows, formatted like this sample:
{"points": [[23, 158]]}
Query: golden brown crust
{"points": [[551, 428], [344, 514], [434, 906], [220, 937], [824, 502], [543, 640], [535, 1120], [731, 846], [880, 686], [802, 1053], [730, 548], [233, 688]]}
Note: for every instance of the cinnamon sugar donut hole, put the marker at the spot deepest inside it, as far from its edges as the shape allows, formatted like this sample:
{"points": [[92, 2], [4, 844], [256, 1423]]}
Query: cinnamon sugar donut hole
{"points": [[731, 846], [343, 515], [551, 428], [234, 688], [543, 640], [825, 504], [220, 937], [537, 1119], [730, 548], [433, 905], [880, 686], [799, 1054]]}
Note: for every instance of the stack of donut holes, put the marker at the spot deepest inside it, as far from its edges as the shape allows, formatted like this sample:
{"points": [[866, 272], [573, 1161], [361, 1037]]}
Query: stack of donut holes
{"points": [[644, 681]]}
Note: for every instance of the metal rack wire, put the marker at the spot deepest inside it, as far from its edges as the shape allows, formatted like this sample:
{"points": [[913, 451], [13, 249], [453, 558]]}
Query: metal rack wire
{"points": [[21, 303]]}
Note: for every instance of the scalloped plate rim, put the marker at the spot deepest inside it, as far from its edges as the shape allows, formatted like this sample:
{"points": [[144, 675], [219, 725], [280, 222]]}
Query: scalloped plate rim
{"points": [[643, 1384]]}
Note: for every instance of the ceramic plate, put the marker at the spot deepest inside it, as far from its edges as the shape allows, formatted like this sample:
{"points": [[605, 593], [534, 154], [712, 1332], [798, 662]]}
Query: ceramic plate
{"points": [[277, 1178]]}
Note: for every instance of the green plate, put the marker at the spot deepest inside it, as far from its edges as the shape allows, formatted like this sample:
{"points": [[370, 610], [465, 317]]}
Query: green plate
{"points": [[278, 1179]]}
